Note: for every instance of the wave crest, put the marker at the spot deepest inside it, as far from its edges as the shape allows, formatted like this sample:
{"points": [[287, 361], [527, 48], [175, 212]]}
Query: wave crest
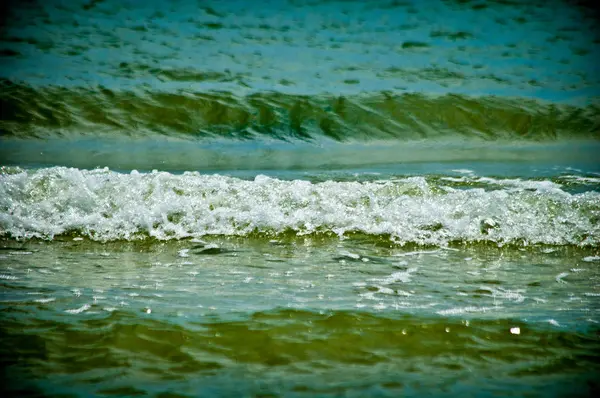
{"points": [[60, 111], [105, 205]]}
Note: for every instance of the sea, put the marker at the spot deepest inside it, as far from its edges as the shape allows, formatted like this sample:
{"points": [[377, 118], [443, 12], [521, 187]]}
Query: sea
{"points": [[302, 198]]}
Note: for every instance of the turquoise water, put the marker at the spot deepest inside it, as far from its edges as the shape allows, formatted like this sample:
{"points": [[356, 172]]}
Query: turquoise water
{"points": [[299, 198]]}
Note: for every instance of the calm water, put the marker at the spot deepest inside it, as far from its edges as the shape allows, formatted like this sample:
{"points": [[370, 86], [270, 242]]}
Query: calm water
{"points": [[320, 198]]}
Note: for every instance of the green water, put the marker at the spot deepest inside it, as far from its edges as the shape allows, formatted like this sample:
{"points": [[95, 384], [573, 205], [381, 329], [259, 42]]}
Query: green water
{"points": [[297, 317], [299, 198]]}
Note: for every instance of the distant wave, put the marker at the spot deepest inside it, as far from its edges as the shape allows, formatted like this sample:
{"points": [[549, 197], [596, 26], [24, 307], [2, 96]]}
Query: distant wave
{"points": [[104, 205], [53, 111]]}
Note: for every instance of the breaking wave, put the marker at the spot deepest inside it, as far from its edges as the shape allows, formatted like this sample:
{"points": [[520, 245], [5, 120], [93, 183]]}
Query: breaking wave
{"points": [[105, 205]]}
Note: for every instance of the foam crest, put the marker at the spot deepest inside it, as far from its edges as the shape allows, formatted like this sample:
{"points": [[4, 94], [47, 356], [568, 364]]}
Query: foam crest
{"points": [[106, 205]]}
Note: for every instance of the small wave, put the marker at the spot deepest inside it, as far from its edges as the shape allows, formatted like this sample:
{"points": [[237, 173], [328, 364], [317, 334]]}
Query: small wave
{"points": [[104, 205], [75, 112]]}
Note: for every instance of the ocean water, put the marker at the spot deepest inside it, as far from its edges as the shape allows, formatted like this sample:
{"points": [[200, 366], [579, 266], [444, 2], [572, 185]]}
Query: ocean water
{"points": [[299, 198]]}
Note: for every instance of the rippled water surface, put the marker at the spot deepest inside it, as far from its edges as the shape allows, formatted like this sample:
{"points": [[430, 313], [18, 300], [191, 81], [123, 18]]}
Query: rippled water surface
{"points": [[299, 198], [299, 316]]}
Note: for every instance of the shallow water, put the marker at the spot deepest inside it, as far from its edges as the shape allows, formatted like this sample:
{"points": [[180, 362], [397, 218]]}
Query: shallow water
{"points": [[298, 316], [302, 198]]}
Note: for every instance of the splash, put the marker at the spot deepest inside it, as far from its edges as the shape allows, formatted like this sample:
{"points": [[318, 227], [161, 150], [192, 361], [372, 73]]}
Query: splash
{"points": [[105, 205]]}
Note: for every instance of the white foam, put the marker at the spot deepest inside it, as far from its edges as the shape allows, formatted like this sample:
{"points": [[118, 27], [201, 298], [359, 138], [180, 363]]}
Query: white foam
{"points": [[385, 290], [584, 180], [105, 205], [79, 310], [518, 183], [553, 322], [350, 255], [463, 310], [400, 276], [45, 300], [559, 277], [589, 259]]}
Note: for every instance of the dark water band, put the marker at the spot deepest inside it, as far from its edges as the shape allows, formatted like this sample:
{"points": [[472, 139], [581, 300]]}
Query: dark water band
{"points": [[29, 112]]}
